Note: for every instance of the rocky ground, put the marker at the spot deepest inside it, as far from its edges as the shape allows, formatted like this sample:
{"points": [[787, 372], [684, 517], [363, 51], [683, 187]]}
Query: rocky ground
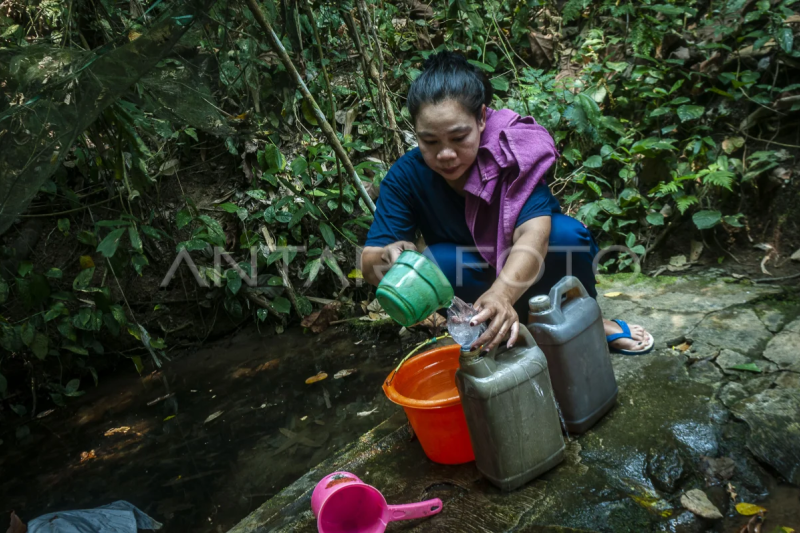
{"points": [[715, 408]]}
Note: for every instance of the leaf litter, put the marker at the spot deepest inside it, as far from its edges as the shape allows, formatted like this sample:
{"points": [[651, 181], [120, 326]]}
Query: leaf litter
{"points": [[213, 416], [318, 377], [697, 502]]}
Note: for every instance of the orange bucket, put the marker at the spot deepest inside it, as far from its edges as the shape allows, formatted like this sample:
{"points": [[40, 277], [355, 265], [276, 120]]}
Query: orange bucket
{"points": [[425, 386]]}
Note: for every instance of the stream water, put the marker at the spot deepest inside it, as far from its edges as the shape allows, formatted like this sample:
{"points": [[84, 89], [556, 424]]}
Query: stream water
{"points": [[203, 442]]}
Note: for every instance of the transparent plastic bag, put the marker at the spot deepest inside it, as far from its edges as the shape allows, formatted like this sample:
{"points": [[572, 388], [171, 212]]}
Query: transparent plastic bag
{"points": [[459, 315]]}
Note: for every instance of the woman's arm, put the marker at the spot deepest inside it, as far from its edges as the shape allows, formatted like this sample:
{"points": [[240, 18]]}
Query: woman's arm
{"points": [[376, 260], [519, 273]]}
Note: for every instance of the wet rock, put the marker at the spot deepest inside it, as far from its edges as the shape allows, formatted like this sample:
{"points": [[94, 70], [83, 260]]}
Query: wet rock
{"points": [[686, 295], [685, 522], [665, 470], [788, 380], [717, 469], [697, 438], [697, 502], [706, 371], [735, 329], [773, 319], [749, 478], [755, 383], [718, 497], [732, 393], [773, 417], [784, 348], [701, 350], [727, 359]]}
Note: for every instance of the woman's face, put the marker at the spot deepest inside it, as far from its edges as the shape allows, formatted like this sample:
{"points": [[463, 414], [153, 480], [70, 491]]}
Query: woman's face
{"points": [[449, 137]]}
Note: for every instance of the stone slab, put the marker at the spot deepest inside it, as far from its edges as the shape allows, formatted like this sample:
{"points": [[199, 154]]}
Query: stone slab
{"points": [[784, 348], [773, 417]]}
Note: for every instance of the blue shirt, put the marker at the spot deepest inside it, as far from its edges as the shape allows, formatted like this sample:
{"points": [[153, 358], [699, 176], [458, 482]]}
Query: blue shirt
{"points": [[412, 196]]}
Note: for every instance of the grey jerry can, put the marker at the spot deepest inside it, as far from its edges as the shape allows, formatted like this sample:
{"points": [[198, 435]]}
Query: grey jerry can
{"points": [[568, 327], [511, 414]]}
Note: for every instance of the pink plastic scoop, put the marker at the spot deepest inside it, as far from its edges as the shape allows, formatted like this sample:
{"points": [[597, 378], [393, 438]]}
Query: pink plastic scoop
{"points": [[343, 503]]}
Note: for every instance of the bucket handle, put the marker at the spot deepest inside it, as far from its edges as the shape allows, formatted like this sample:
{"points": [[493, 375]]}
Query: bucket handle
{"points": [[567, 289], [414, 351]]}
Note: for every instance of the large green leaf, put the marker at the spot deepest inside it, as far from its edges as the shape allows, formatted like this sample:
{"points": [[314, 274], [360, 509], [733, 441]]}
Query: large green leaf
{"points": [[610, 206], [595, 187], [39, 345], [749, 367], [327, 234], [312, 269], [215, 233], [281, 305], [258, 194], [594, 161], [183, 217], [25, 268], [66, 329], [656, 219], [660, 111], [55, 311], [136, 239], [299, 165], [108, 246], [330, 262], [500, 84], [228, 207], [271, 158], [785, 38], [651, 144], [72, 388], [83, 279], [234, 282], [482, 66], [690, 112], [591, 108], [706, 219], [26, 333]]}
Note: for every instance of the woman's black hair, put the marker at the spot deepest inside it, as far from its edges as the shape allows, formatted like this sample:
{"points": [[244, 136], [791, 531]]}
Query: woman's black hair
{"points": [[449, 75]]}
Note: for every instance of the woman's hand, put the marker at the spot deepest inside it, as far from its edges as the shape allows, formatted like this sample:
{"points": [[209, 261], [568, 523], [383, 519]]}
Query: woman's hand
{"points": [[376, 260], [499, 310], [392, 251]]}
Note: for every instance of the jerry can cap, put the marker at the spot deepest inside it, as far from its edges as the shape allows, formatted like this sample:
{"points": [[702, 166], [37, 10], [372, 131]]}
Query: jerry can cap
{"points": [[540, 303]]}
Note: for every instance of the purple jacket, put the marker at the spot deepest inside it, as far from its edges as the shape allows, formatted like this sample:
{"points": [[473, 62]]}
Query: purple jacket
{"points": [[514, 155]]}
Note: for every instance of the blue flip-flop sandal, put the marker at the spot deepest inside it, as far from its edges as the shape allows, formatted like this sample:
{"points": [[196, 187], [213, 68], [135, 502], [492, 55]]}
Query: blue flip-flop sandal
{"points": [[626, 334]]}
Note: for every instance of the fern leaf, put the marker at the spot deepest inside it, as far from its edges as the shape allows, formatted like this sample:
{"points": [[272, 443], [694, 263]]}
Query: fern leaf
{"points": [[720, 178], [686, 202], [572, 10]]}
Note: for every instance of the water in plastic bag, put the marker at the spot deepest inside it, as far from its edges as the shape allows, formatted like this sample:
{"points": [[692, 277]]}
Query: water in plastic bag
{"points": [[459, 315]]}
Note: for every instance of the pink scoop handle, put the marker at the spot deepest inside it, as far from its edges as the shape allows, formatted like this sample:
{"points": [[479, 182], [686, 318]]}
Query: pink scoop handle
{"points": [[410, 511]]}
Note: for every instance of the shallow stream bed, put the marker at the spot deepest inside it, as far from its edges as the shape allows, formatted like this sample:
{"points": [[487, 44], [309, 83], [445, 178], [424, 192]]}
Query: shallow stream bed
{"points": [[203, 442]]}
